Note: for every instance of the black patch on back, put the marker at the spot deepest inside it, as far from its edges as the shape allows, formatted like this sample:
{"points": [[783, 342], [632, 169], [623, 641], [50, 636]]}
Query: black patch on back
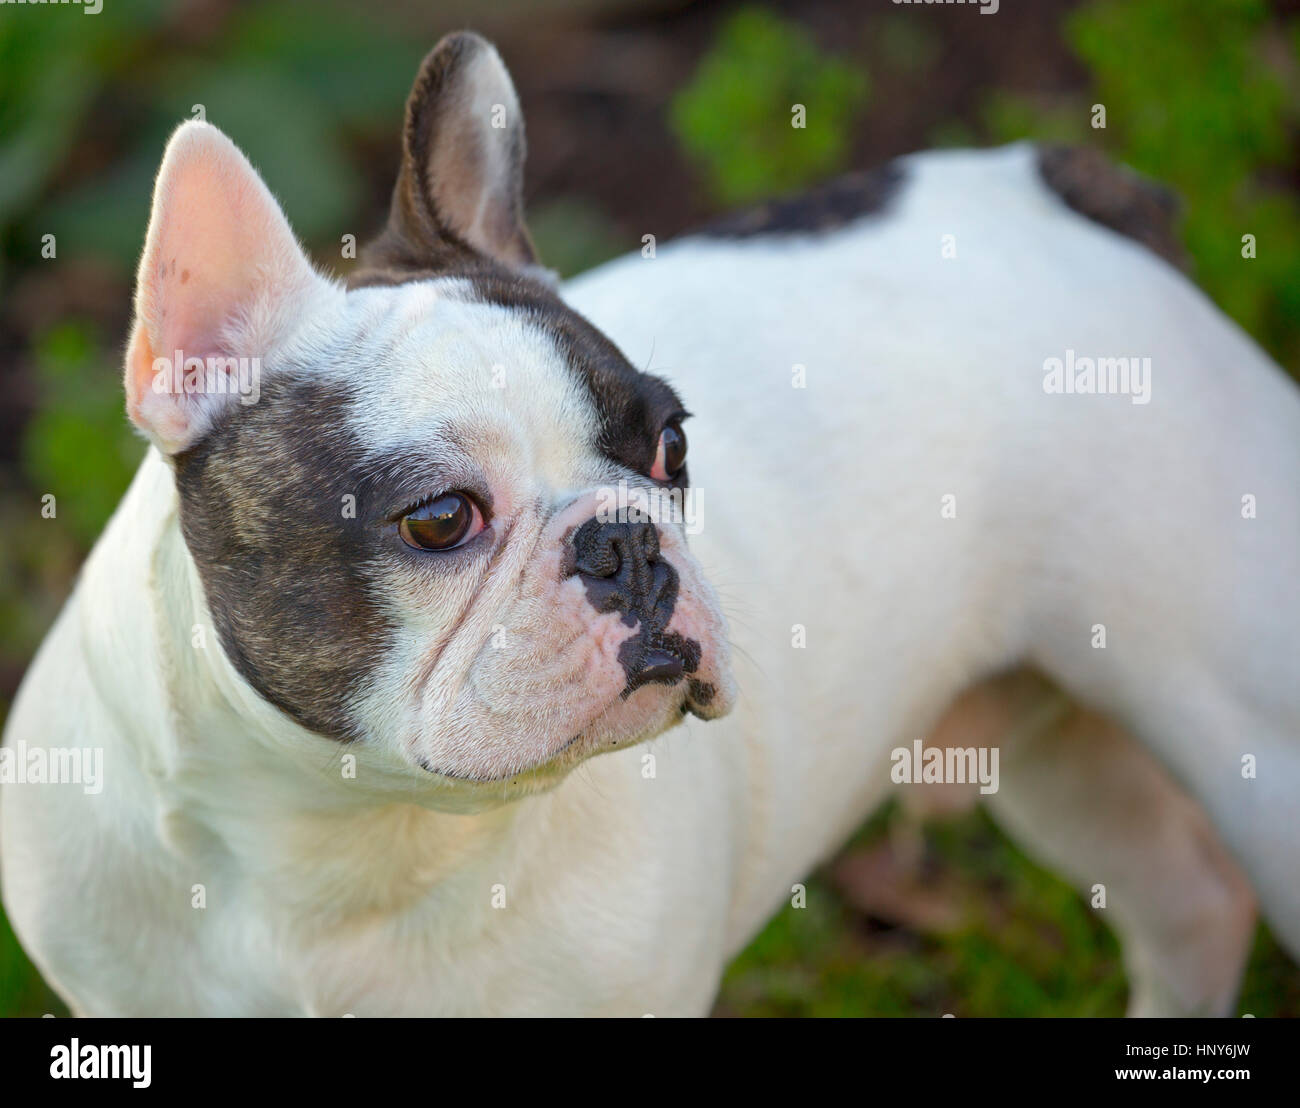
{"points": [[1114, 196], [285, 574], [824, 208]]}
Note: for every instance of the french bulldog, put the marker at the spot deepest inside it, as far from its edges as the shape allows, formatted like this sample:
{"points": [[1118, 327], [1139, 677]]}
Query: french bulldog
{"points": [[405, 653]]}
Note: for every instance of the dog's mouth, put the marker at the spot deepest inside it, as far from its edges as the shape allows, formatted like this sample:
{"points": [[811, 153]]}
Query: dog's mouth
{"points": [[602, 681], [601, 735], [657, 657], [667, 658]]}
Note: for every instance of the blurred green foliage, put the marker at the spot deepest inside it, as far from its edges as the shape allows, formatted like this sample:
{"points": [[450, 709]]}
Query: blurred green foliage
{"points": [[294, 82], [22, 991], [78, 442], [736, 116], [1203, 97], [571, 236], [1199, 102]]}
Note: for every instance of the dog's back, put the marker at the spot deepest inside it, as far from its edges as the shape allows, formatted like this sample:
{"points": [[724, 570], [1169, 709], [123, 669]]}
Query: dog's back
{"points": [[973, 431]]}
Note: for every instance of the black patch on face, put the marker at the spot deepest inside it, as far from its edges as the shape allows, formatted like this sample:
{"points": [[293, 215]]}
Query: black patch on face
{"points": [[632, 406], [687, 649], [620, 567], [284, 572], [824, 208], [1115, 197], [702, 693]]}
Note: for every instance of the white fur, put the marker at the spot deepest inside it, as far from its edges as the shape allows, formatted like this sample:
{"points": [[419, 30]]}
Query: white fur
{"points": [[626, 893]]}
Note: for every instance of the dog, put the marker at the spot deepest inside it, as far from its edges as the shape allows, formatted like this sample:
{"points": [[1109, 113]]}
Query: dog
{"points": [[409, 551]]}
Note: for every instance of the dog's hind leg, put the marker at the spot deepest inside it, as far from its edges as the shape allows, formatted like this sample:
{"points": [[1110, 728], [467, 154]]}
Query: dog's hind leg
{"points": [[1085, 798]]}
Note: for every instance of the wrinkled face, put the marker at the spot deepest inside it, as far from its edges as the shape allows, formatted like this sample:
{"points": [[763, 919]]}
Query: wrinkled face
{"points": [[407, 540], [405, 533]]}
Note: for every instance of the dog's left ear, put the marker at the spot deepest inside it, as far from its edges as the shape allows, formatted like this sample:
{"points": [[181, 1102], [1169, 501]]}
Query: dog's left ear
{"points": [[459, 189]]}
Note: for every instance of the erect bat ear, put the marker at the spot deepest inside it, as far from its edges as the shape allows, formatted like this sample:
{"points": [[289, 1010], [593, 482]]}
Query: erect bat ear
{"points": [[222, 280], [459, 188]]}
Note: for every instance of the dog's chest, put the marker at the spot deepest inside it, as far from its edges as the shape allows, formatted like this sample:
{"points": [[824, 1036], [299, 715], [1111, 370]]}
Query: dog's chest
{"points": [[559, 908]]}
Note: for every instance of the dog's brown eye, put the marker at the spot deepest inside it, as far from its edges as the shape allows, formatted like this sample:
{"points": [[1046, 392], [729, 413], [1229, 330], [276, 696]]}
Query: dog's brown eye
{"points": [[671, 453], [441, 524]]}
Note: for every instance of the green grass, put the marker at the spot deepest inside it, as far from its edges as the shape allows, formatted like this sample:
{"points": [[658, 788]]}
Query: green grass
{"points": [[22, 991], [1024, 944]]}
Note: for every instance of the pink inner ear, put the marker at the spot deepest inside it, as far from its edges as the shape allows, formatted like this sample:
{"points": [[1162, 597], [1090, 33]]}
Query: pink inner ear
{"points": [[215, 234], [220, 273]]}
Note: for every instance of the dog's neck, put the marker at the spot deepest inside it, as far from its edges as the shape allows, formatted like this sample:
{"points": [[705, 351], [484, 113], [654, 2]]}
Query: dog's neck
{"points": [[234, 782]]}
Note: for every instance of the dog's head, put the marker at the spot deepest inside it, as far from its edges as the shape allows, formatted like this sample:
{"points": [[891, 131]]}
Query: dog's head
{"points": [[396, 494]]}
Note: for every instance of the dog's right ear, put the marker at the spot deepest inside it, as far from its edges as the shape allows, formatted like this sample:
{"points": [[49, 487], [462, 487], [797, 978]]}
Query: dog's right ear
{"points": [[222, 280], [458, 192]]}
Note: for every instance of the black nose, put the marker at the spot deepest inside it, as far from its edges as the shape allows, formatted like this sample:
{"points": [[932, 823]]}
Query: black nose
{"points": [[620, 567], [616, 549]]}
